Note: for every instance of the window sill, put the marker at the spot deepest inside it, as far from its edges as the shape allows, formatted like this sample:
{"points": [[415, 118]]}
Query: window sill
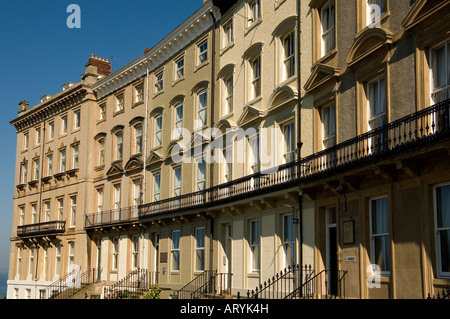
{"points": [[59, 175], [226, 48], [253, 274], [198, 67], [175, 82], [254, 101], [137, 104], [101, 121], [118, 112], [46, 179], [324, 59], [252, 26], [158, 93]]}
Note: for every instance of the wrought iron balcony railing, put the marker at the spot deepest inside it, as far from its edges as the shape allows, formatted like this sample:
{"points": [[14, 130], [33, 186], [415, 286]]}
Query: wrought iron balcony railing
{"points": [[41, 229], [414, 130]]}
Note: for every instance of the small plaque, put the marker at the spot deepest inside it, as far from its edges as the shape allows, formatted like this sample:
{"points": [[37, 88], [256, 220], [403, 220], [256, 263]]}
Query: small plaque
{"points": [[350, 259], [349, 232], [163, 257]]}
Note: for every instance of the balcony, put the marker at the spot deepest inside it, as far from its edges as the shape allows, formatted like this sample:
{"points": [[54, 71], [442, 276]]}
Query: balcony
{"points": [[112, 217], [42, 229], [411, 132]]}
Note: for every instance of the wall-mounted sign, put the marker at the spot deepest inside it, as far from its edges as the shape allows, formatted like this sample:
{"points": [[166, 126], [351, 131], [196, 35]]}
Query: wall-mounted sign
{"points": [[350, 259], [349, 232], [163, 258]]}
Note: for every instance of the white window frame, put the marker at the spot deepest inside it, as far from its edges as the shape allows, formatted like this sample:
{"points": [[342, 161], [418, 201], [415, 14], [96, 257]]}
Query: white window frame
{"points": [[58, 259], [256, 78], [441, 93], [102, 111], [328, 117], [62, 160], [228, 33], [373, 236], [288, 48], [35, 169], [288, 131], [25, 141], [202, 52], [202, 108], [139, 93], [38, 136], [119, 102], [178, 121], [288, 240], [101, 152], [117, 200], [175, 251], [201, 180], [49, 164], [47, 211], [255, 245], [71, 256], [64, 125], [135, 252], [228, 83], [177, 182], [60, 208], [378, 85], [73, 210], [115, 254], [157, 187], [330, 31], [24, 172], [159, 82], [33, 213], [138, 138], [31, 261], [21, 215], [76, 119], [75, 156], [119, 145], [51, 130], [254, 11], [158, 130], [179, 68], [371, 18], [200, 249], [438, 230]]}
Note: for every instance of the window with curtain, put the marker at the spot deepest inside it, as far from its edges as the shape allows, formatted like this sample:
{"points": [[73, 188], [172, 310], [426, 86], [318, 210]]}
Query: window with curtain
{"points": [[289, 240], [440, 72], [379, 233], [254, 245], [288, 56], [201, 175], [158, 130], [328, 126], [200, 249], [442, 209], [202, 108], [178, 129], [175, 250], [328, 28]]}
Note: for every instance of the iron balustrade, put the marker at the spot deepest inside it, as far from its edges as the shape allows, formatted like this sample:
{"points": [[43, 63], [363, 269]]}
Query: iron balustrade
{"points": [[134, 285], [70, 284], [417, 129], [207, 284], [283, 283], [45, 228], [319, 286]]}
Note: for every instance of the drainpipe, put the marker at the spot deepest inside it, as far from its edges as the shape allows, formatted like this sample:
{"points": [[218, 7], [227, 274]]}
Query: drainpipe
{"points": [[141, 261], [211, 168], [299, 140]]}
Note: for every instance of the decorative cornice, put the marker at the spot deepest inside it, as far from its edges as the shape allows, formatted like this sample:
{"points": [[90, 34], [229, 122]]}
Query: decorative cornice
{"points": [[52, 106], [184, 34]]}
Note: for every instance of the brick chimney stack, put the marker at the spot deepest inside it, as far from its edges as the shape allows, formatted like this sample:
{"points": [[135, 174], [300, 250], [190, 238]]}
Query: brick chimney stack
{"points": [[23, 106], [96, 68]]}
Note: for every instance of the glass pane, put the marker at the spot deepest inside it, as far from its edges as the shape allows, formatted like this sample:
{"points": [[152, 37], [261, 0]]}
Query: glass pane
{"points": [[200, 237], [175, 260], [439, 67], [255, 233], [445, 250], [443, 206], [381, 252], [175, 240], [200, 259], [380, 216]]}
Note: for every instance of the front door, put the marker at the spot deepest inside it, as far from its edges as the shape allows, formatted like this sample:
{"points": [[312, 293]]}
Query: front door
{"points": [[332, 262]]}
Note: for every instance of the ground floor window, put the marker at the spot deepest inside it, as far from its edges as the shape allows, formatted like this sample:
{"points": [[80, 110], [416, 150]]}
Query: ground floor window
{"points": [[442, 209]]}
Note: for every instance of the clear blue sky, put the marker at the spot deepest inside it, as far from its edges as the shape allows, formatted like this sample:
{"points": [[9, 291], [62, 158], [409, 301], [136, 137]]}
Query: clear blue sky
{"points": [[39, 53]]}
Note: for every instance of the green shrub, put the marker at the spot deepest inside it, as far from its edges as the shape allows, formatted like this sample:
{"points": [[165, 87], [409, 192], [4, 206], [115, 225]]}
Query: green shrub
{"points": [[153, 293]]}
